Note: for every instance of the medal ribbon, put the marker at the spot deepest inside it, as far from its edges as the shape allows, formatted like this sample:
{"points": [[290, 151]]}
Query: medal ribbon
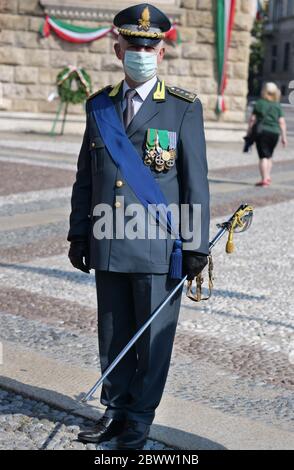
{"points": [[151, 138], [163, 139]]}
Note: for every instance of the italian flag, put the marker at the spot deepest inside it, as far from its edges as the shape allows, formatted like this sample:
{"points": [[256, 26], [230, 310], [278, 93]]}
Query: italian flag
{"points": [[79, 34], [259, 11], [173, 35], [225, 22], [71, 33]]}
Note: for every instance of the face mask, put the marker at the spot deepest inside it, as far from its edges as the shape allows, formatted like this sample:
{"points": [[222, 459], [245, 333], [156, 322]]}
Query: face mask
{"points": [[140, 66]]}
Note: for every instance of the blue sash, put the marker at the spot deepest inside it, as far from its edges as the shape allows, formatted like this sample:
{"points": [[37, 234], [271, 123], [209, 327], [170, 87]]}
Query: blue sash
{"points": [[135, 172]]}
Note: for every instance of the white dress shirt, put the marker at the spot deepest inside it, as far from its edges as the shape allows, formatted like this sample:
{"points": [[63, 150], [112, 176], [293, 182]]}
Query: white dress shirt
{"points": [[142, 93]]}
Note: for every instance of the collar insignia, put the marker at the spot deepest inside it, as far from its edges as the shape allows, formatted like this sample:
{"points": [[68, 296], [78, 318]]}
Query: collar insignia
{"points": [[115, 90], [159, 94]]}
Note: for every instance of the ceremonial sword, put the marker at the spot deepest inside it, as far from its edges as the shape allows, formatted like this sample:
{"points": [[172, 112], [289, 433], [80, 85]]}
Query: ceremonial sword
{"points": [[238, 222]]}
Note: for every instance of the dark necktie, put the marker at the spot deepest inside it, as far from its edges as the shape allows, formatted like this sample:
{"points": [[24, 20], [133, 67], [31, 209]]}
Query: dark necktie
{"points": [[129, 110]]}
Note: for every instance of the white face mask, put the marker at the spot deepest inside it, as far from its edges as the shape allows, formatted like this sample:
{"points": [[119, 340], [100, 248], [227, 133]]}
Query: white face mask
{"points": [[140, 66]]}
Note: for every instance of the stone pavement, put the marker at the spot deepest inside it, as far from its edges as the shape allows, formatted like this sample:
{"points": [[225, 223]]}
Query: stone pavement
{"points": [[231, 378], [28, 424]]}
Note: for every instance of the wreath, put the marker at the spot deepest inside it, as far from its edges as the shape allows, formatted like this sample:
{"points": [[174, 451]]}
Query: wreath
{"points": [[73, 85]]}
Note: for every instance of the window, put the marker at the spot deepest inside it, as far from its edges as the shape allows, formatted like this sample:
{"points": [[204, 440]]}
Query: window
{"points": [[274, 58], [277, 10], [286, 56], [290, 7]]}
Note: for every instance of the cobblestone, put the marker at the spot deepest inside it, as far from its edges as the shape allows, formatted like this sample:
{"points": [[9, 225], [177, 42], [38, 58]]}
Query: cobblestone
{"points": [[23, 426]]}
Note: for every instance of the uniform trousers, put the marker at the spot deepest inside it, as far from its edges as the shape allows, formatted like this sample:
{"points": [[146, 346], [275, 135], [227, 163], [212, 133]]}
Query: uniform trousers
{"points": [[134, 388]]}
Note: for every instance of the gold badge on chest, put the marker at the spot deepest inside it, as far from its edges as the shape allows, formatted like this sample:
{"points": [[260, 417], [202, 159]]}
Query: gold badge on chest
{"points": [[160, 151]]}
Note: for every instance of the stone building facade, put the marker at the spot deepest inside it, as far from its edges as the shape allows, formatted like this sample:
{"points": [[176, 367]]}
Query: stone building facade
{"points": [[279, 45], [29, 63]]}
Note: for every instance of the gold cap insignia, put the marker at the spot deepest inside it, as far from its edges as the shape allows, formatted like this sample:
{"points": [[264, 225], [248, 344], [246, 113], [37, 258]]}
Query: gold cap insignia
{"points": [[144, 21]]}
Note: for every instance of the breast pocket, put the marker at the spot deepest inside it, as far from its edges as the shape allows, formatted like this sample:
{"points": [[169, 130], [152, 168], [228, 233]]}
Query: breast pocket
{"points": [[97, 151]]}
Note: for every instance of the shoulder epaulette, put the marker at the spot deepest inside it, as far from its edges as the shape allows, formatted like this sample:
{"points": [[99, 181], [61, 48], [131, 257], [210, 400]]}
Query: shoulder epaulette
{"points": [[180, 93], [99, 91]]}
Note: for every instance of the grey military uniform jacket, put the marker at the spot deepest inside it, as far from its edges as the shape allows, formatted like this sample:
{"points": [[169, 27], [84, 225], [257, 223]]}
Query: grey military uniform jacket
{"points": [[99, 181]]}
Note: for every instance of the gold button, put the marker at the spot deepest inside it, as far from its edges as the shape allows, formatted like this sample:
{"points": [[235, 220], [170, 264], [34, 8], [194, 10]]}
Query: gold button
{"points": [[119, 183], [117, 204], [93, 144]]}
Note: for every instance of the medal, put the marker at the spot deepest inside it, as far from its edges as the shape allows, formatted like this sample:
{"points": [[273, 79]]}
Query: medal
{"points": [[148, 161], [150, 151], [159, 162], [172, 138], [149, 157], [160, 151], [159, 168], [169, 164], [166, 155]]}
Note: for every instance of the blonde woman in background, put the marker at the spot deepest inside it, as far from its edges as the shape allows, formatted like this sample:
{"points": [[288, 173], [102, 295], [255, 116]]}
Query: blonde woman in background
{"points": [[267, 122]]}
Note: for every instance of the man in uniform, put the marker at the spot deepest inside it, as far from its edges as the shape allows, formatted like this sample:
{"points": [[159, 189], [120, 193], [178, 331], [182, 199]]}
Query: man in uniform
{"points": [[164, 126]]}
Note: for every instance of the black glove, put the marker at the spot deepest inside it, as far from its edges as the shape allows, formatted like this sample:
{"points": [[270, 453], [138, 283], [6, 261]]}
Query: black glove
{"points": [[77, 251], [193, 263]]}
